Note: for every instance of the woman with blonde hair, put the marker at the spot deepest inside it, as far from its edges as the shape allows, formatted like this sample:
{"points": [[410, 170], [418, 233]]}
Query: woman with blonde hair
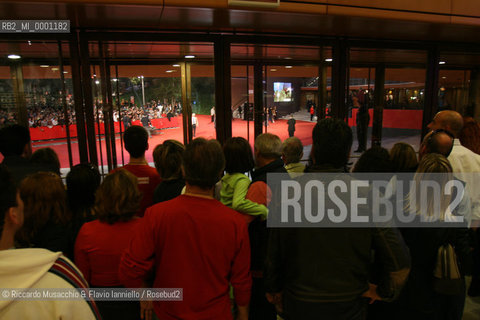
{"points": [[100, 243], [418, 299], [47, 220]]}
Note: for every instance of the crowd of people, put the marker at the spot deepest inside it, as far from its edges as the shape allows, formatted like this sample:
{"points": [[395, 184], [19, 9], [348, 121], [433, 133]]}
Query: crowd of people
{"points": [[198, 221], [40, 115]]}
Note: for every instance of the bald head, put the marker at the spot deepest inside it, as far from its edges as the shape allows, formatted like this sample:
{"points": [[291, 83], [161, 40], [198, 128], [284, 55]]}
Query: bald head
{"points": [[448, 120], [436, 142]]}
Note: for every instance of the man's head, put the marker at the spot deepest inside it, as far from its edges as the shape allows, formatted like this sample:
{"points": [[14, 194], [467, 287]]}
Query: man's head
{"points": [[268, 148], [292, 150], [332, 140], [448, 120], [203, 163], [15, 141], [11, 207], [438, 141], [136, 141]]}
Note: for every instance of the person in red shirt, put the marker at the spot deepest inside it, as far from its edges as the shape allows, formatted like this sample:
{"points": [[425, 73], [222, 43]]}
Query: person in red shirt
{"points": [[100, 243], [136, 143], [193, 242]]}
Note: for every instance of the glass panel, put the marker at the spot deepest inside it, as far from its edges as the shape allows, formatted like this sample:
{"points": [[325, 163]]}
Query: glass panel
{"points": [[147, 89], [290, 77], [404, 103], [360, 105], [453, 89], [404, 91], [203, 99], [242, 102], [38, 66], [162, 93]]}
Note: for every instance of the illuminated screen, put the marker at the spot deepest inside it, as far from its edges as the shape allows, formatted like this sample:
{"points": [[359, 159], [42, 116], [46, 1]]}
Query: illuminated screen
{"points": [[282, 92]]}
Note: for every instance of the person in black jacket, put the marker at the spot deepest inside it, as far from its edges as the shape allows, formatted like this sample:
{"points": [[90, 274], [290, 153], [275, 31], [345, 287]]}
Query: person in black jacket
{"points": [[291, 126], [267, 152], [322, 273], [363, 118]]}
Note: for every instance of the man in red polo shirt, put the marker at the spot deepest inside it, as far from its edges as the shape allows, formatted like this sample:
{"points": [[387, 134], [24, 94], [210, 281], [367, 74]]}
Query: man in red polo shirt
{"points": [[193, 242], [136, 143]]}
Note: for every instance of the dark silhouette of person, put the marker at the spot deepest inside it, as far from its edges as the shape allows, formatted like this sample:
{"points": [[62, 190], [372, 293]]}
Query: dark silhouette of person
{"points": [[363, 118], [127, 121], [291, 126]]}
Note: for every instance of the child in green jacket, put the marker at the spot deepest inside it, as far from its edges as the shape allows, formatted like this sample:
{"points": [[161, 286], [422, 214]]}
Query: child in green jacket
{"points": [[238, 160]]}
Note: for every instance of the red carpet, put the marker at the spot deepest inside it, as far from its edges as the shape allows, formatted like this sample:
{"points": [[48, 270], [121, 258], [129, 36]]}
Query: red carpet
{"points": [[205, 129]]}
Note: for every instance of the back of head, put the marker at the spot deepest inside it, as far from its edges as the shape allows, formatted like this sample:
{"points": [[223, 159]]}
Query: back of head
{"points": [[8, 193], [83, 181], [238, 155], [375, 159], [203, 163], [450, 120], [268, 146], [434, 163], [439, 141], [44, 198], [332, 140], [47, 157], [292, 149], [403, 158], [436, 168], [13, 140], [470, 136], [136, 141], [168, 158], [118, 197]]}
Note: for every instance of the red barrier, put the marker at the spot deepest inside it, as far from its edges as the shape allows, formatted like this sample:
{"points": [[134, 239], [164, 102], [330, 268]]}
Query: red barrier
{"points": [[394, 118], [59, 132]]}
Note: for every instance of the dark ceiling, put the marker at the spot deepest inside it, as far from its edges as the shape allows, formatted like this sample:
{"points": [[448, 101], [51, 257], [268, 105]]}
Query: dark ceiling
{"points": [[152, 18]]}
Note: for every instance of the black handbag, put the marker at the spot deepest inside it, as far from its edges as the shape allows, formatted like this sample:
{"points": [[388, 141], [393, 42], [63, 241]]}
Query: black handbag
{"points": [[447, 278]]}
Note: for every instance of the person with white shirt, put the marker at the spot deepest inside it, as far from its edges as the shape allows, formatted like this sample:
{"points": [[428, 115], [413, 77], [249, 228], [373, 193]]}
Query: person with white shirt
{"points": [[465, 163], [466, 167], [194, 123]]}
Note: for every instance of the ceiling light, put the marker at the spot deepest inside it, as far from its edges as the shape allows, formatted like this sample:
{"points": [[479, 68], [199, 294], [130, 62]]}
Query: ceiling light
{"points": [[176, 65], [288, 67], [97, 81], [328, 60], [14, 56], [189, 57], [54, 69], [441, 62], [444, 77], [140, 77], [114, 79], [169, 71], [273, 70], [65, 71], [44, 66]]}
